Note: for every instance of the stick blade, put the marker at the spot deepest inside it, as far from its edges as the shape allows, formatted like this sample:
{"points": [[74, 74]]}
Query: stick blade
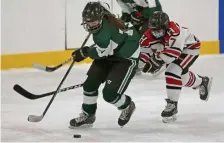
{"points": [[23, 92], [34, 118], [39, 66]]}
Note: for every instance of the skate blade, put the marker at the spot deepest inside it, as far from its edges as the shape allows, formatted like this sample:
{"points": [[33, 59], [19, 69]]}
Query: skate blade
{"points": [[159, 72], [169, 119], [209, 88], [82, 126]]}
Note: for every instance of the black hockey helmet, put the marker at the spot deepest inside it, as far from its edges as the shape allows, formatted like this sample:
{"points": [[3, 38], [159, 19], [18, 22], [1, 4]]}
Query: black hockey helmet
{"points": [[158, 24], [93, 12]]}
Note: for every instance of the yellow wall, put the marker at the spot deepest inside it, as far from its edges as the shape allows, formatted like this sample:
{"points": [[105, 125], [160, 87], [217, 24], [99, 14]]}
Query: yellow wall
{"points": [[57, 57], [45, 58], [209, 47]]}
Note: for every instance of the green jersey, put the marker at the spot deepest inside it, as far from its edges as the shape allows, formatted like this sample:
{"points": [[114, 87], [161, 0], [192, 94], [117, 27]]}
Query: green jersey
{"points": [[111, 41], [145, 7]]}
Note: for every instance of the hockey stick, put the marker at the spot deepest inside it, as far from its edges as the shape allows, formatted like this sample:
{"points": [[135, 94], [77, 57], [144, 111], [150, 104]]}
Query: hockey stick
{"points": [[35, 118], [51, 69], [32, 96]]}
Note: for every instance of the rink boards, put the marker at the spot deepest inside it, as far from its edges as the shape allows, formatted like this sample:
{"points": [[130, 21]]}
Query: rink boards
{"points": [[54, 58]]}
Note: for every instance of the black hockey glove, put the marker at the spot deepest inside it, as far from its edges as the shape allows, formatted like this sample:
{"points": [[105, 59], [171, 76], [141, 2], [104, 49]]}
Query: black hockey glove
{"points": [[136, 18], [80, 54], [153, 65]]}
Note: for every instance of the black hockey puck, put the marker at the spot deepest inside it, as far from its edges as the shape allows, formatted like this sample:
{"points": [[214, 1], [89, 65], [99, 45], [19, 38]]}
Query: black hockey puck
{"points": [[77, 136]]}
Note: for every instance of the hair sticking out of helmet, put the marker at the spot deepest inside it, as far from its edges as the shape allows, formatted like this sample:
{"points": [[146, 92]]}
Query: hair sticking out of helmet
{"points": [[111, 17], [158, 24], [92, 16]]}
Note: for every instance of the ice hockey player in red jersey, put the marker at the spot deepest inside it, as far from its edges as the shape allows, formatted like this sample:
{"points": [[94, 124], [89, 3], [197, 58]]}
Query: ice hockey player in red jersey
{"points": [[138, 12], [166, 42]]}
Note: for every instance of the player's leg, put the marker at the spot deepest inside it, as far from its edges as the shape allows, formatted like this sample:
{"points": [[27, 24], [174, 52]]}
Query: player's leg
{"points": [[190, 79], [174, 86], [177, 76], [96, 75], [117, 82], [173, 89]]}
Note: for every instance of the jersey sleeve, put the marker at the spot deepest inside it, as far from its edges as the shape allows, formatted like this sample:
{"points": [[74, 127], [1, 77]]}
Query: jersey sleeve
{"points": [[149, 6], [124, 7], [174, 45], [147, 43]]}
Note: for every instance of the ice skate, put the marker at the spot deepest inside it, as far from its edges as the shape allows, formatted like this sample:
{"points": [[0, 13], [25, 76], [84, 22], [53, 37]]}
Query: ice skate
{"points": [[170, 111], [126, 114], [204, 88], [83, 120]]}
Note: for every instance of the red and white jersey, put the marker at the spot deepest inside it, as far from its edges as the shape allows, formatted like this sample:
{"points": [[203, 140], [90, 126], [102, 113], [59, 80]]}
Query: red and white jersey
{"points": [[177, 40]]}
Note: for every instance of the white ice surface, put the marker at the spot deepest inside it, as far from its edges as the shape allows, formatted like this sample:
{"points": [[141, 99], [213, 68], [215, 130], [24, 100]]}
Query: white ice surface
{"points": [[197, 120]]}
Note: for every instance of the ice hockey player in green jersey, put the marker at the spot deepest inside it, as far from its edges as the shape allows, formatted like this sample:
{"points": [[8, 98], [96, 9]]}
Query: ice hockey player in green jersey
{"points": [[138, 12], [115, 57]]}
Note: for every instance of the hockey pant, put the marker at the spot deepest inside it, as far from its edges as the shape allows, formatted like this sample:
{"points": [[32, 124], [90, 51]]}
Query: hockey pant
{"points": [[116, 74]]}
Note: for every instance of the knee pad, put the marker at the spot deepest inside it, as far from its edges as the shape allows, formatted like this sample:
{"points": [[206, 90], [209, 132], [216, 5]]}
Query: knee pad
{"points": [[174, 69], [118, 100], [173, 75], [110, 96]]}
